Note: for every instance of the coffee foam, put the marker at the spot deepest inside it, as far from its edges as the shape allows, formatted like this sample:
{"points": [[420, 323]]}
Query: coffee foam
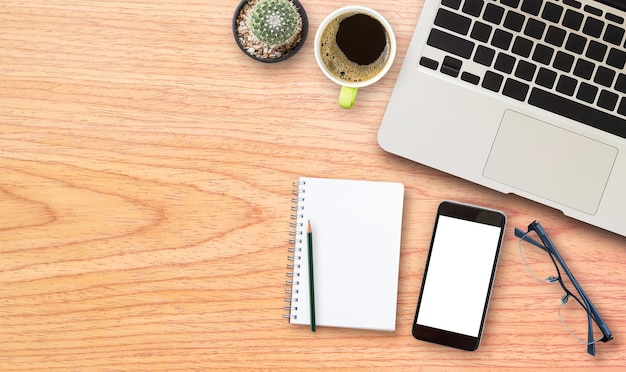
{"points": [[338, 64]]}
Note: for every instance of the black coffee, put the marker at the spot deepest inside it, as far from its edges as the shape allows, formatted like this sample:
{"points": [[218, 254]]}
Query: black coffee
{"points": [[354, 47], [361, 38]]}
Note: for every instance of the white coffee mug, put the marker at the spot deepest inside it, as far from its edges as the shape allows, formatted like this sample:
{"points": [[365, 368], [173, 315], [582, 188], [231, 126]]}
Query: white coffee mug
{"points": [[332, 60]]}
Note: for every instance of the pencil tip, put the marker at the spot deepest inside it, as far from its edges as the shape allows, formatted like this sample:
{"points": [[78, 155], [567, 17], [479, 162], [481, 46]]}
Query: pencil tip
{"points": [[308, 228]]}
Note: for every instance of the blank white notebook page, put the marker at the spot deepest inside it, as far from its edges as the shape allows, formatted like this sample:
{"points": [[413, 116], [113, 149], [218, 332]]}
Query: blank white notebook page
{"points": [[356, 229]]}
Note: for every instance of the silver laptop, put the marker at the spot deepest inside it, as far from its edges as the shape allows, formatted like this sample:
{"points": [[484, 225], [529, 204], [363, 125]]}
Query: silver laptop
{"points": [[522, 96]]}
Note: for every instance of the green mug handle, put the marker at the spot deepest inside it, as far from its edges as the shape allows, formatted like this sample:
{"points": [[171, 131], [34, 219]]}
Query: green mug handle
{"points": [[347, 96]]}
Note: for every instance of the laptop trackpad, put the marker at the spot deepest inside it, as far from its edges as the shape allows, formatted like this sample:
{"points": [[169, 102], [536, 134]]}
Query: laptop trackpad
{"points": [[550, 162]]}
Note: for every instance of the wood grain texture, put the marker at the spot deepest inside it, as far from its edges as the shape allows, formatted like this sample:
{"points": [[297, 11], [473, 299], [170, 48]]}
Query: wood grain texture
{"points": [[145, 178]]}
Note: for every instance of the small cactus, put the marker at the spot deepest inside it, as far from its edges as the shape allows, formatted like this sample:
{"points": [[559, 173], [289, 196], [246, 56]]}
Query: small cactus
{"points": [[275, 22]]}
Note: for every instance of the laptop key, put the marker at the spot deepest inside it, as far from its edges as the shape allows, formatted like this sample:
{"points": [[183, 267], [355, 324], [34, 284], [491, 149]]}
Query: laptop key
{"points": [[531, 6], [593, 27], [452, 21], [481, 32], [545, 78], [587, 92], [566, 85], [492, 81], [552, 12], [450, 43], [504, 63], [451, 66], [614, 18], [573, 20], [596, 51], [616, 58], [621, 109], [454, 4], [576, 43], [511, 3], [429, 63], [470, 78], [543, 54], [613, 34], [493, 13], [514, 21], [484, 55], [620, 83], [555, 36], [593, 10], [607, 100], [522, 46], [525, 70], [473, 7], [584, 69], [515, 89], [534, 28], [578, 112], [502, 39], [573, 3], [563, 61], [604, 76]]}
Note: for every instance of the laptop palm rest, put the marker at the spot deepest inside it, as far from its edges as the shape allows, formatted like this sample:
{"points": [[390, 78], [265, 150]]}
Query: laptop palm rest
{"points": [[524, 157]]}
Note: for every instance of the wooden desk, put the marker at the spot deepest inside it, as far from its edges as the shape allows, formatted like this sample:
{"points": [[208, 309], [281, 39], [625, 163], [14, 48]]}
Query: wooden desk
{"points": [[146, 168]]}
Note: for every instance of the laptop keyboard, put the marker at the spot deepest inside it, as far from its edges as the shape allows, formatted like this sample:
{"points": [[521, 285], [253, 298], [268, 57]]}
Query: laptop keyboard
{"points": [[560, 56]]}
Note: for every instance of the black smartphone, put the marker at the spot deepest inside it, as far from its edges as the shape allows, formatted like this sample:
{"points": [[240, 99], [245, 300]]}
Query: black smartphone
{"points": [[459, 274]]}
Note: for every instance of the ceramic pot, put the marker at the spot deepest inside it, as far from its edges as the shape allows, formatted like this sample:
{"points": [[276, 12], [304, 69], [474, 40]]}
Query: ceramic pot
{"points": [[305, 28]]}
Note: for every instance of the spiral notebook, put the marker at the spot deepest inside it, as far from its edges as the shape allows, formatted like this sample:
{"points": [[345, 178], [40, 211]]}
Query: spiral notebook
{"points": [[356, 227]]}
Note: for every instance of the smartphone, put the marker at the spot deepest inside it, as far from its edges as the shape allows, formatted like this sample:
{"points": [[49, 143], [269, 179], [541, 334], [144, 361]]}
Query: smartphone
{"points": [[459, 274]]}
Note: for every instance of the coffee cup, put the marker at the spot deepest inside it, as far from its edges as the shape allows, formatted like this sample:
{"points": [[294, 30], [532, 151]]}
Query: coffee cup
{"points": [[354, 47]]}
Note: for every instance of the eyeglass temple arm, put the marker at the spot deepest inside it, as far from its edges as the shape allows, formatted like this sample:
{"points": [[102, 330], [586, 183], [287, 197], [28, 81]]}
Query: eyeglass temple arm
{"points": [[523, 235], [550, 248]]}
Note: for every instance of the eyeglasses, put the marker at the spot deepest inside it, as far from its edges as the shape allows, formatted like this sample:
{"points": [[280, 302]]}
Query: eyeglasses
{"points": [[576, 311]]}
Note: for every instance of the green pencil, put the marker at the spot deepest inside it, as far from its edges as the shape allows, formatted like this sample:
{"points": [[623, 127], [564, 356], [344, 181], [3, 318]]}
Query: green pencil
{"points": [[309, 235]]}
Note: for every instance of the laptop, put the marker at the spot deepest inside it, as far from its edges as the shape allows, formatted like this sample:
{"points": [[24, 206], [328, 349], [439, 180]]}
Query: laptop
{"points": [[522, 96]]}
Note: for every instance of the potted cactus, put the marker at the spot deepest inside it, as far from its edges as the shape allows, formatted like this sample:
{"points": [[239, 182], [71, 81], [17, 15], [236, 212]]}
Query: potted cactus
{"points": [[270, 30]]}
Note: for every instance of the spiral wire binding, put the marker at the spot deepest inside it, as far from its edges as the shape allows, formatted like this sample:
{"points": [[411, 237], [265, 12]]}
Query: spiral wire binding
{"points": [[295, 249]]}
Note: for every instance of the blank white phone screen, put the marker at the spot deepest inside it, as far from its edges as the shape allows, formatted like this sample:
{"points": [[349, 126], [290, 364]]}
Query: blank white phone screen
{"points": [[458, 276]]}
